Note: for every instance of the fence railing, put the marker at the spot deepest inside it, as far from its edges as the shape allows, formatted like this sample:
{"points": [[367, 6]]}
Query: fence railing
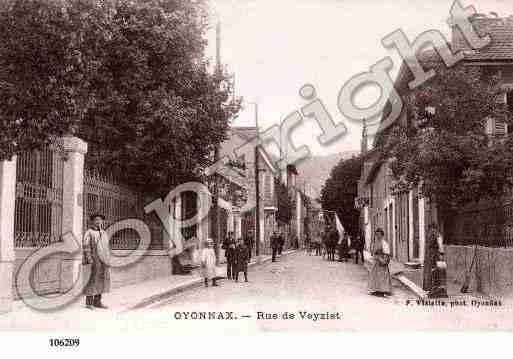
{"points": [[38, 204], [488, 226], [104, 195]]}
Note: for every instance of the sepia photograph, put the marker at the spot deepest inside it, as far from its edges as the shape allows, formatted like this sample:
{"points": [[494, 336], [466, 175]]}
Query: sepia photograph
{"points": [[242, 167]]}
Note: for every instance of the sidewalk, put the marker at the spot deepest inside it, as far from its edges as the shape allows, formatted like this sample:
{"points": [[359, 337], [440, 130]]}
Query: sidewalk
{"points": [[412, 279], [141, 294]]}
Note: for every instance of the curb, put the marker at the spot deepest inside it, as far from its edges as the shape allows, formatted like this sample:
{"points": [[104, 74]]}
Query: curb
{"points": [[193, 283], [418, 291], [411, 286]]}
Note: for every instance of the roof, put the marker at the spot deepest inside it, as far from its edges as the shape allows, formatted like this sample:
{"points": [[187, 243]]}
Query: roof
{"points": [[501, 46], [248, 133], [427, 58]]}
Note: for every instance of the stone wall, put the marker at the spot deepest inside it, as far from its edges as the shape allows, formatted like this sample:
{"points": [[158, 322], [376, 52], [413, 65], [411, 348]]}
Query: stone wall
{"points": [[55, 273], [152, 265], [493, 268]]}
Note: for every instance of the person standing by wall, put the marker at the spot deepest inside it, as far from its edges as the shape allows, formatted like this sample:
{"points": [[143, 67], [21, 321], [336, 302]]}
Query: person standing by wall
{"points": [[95, 252], [434, 272]]}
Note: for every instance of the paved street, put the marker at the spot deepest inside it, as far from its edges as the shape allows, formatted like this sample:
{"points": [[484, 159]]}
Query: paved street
{"points": [[300, 282], [296, 283]]}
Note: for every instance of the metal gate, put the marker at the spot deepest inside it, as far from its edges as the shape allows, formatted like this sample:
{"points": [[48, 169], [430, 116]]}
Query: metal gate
{"points": [[38, 213]]}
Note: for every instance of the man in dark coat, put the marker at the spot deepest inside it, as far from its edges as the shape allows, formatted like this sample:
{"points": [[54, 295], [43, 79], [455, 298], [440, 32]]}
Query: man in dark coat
{"points": [[343, 247], [249, 241], [229, 253], [275, 244], [242, 260], [96, 252], [333, 239], [358, 245], [281, 243]]}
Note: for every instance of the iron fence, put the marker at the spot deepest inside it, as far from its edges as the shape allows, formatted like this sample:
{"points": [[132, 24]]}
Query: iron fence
{"points": [[104, 195], [38, 204]]}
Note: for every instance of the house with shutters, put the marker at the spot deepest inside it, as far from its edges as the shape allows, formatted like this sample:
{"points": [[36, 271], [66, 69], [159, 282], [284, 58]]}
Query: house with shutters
{"points": [[239, 149], [405, 216]]}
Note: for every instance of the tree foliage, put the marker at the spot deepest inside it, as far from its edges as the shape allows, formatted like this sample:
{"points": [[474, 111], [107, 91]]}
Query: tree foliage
{"points": [[130, 78], [445, 149], [340, 190]]}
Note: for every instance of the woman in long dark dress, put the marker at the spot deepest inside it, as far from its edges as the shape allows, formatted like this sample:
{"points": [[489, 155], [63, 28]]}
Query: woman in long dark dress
{"points": [[380, 280]]}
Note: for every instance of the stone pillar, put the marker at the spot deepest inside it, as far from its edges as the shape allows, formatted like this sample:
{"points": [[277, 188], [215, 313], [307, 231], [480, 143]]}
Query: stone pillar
{"points": [[7, 200], [73, 205]]}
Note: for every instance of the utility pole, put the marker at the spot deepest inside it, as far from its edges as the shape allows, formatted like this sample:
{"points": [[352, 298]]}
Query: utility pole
{"points": [[257, 188], [215, 200]]}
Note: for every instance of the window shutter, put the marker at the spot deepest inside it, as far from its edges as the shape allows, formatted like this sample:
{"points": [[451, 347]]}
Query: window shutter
{"points": [[496, 128], [501, 129]]}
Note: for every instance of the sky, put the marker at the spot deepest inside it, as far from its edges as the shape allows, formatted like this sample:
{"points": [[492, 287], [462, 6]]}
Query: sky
{"points": [[274, 47]]}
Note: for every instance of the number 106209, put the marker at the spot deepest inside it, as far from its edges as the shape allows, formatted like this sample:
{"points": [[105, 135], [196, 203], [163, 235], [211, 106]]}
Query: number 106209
{"points": [[64, 342]]}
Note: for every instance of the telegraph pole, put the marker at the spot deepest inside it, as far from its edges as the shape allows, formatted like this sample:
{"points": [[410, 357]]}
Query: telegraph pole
{"points": [[257, 188]]}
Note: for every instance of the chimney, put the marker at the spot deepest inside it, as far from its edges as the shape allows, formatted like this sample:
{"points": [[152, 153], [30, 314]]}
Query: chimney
{"points": [[218, 47], [365, 139]]}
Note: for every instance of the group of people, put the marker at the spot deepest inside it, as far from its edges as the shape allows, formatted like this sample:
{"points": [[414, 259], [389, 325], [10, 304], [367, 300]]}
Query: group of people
{"points": [[331, 242], [238, 255], [380, 280]]}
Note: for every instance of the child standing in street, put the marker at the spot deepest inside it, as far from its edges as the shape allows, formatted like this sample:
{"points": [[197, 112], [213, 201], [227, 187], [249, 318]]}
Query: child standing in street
{"points": [[242, 258], [208, 263]]}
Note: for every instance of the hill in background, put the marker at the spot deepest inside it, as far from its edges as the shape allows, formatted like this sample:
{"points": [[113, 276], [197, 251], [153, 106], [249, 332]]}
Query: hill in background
{"points": [[316, 170]]}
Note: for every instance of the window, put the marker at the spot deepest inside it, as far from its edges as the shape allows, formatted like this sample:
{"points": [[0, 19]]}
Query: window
{"points": [[509, 101], [496, 128], [268, 186]]}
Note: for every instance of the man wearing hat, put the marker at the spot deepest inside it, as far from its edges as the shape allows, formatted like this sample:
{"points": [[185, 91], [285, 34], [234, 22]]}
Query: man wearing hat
{"points": [[95, 250]]}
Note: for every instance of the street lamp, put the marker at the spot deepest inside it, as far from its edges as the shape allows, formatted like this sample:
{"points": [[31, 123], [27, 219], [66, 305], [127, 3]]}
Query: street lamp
{"points": [[257, 186]]}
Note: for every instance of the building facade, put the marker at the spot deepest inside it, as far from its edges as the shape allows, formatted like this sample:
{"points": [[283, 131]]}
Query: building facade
{"points": [[405, 216]]}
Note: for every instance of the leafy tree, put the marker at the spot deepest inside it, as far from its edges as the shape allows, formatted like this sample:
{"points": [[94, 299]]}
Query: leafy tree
{"points": [[44, 76], [445, 148], [130, 78], [340, 190]]}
